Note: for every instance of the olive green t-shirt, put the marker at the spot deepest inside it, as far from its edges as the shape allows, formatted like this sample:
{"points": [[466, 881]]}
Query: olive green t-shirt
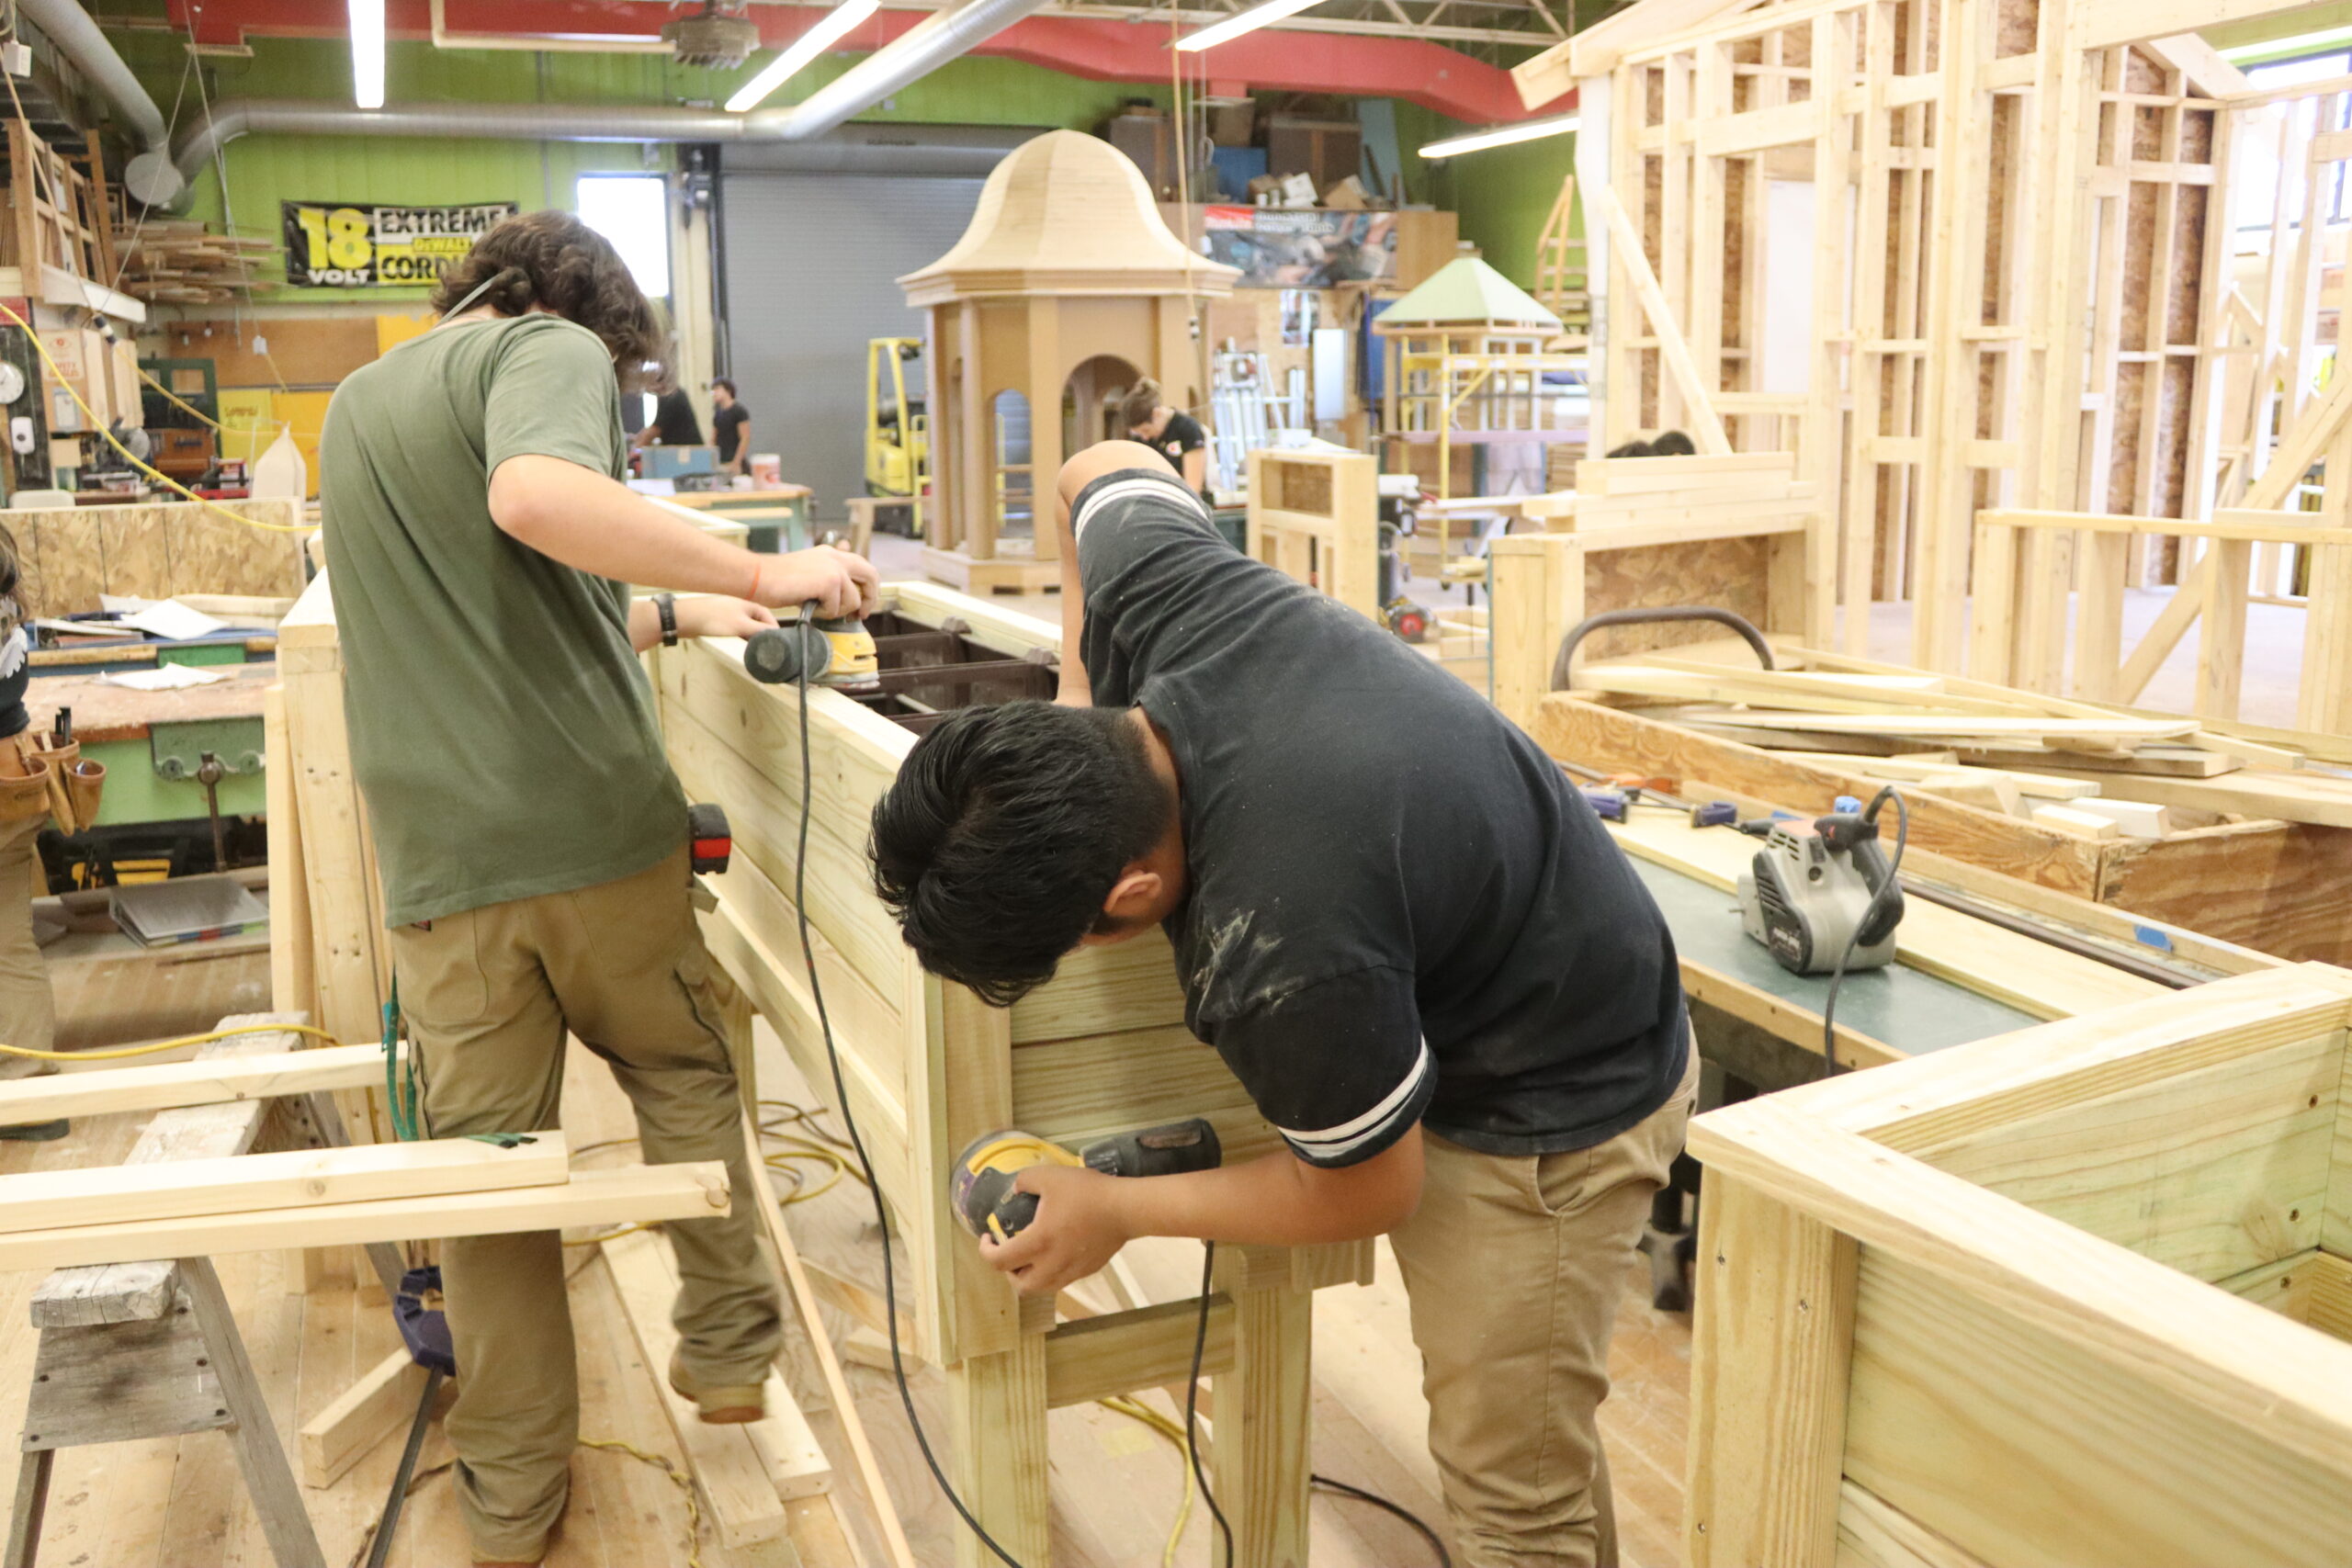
{"points": [[502, 729]]}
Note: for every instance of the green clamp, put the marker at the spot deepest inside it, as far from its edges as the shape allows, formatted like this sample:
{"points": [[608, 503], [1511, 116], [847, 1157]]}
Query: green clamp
{"points": [[504, 1140]]}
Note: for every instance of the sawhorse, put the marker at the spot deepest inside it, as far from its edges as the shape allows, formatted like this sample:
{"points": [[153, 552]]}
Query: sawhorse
{"points": [[131, 1350]]}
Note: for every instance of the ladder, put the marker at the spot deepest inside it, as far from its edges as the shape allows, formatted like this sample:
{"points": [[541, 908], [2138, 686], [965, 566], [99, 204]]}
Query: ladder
{"points": [[1561, 282]]}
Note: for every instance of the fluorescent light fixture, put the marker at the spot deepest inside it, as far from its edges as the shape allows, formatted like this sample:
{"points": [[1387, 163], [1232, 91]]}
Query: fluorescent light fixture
{"points": [[1248, 21], [366, 52], [1501, 136], [2287, 45], [830, 30]]}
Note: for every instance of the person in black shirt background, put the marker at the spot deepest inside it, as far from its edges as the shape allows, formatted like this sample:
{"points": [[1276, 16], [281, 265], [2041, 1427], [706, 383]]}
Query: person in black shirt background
{"points": [[730, 421], [1174, 434], [1400, 927], [674, 422]]}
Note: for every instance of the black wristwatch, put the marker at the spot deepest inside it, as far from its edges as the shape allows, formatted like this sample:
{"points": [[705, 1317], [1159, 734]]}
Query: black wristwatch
{"points": [[666, 607]]}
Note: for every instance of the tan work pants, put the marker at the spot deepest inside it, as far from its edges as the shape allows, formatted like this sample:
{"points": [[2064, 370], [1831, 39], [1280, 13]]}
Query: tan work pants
{"points": [[489, 996], [1514, 1266], [28, 1012]]}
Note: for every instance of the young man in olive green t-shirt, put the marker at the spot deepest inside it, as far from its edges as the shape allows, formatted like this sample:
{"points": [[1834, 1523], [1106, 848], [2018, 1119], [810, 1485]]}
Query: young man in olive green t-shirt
{"points": [[530, 836]]}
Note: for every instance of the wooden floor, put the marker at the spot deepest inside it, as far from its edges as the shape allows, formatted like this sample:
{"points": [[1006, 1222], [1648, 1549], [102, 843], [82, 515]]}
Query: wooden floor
{"points": [[1116, 1485]]}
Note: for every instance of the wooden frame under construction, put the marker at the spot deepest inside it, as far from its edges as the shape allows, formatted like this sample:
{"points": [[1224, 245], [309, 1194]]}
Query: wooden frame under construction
{"points": [[2022, 303], [2077, 1295], [929, 1068], [1315, 516]]}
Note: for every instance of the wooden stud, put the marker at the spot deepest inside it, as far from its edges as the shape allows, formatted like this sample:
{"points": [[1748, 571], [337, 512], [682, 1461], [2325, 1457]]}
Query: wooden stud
{"points": [[1772, 1337], [1261, 1454]]}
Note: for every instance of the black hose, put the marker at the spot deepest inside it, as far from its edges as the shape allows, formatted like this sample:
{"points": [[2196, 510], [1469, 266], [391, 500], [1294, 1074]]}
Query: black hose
{"points": [[1591, 623]]}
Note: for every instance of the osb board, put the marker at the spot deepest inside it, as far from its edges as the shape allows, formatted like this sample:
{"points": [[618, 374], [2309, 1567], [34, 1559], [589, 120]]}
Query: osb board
{"points": [[317, 351], [103, 711], [1730, 574], [70, 556], [2275, 886]]}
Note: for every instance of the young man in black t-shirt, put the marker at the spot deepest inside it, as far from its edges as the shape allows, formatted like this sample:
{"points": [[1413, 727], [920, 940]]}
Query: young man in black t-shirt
{"points": [[730, 426], [1402, 929]]}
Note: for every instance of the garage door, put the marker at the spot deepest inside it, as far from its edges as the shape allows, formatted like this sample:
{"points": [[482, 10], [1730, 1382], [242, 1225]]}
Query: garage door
{"points": [[810, 261]]}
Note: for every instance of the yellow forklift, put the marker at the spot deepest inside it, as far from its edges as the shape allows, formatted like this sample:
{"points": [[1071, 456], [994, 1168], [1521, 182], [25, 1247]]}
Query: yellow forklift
{"points": [[898, 434]]}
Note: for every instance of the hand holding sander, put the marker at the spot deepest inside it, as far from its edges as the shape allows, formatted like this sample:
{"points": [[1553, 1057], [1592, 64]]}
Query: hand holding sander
{"points": [[836, 652], [987, 1202]]}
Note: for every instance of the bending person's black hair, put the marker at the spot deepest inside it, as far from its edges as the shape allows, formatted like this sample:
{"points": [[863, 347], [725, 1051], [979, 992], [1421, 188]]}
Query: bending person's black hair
{"points": [[1006, 830]]}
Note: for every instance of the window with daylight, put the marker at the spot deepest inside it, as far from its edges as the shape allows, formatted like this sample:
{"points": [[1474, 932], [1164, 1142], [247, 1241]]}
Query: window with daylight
{"points": [[631, 211]]}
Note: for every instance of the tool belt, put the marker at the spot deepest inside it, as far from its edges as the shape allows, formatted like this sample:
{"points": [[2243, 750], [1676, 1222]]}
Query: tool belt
{"points": [[38, 780]]}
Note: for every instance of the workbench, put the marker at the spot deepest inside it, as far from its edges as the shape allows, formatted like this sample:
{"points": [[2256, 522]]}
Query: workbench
{"points": [[151, 741], [779, 517]]}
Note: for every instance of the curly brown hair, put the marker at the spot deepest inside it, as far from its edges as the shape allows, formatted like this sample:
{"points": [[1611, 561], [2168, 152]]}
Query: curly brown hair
{"points": [[553, 260]]}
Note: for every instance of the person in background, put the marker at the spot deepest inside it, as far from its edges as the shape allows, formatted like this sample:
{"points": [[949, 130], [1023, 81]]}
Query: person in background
{"points": [[674, 422], [28, 1012], [731, 423], [1670, 444], [1175, 435], [530, 836]]}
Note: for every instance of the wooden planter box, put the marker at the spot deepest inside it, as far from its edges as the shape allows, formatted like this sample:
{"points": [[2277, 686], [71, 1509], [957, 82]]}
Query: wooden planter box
{"points": [[929, 1067], [2079, 1295]]}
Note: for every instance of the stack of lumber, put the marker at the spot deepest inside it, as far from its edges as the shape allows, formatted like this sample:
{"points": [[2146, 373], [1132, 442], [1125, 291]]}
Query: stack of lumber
{"points": [[185, 262], [303, 1197], [2074, 767]]}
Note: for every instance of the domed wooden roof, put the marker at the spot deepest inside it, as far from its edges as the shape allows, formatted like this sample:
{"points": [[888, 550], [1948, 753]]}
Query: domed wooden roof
{"points": [[1066, 213]]}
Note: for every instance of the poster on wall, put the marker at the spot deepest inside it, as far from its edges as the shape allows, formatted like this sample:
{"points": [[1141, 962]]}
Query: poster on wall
{"points": [[1285, 248], [355, 245]]}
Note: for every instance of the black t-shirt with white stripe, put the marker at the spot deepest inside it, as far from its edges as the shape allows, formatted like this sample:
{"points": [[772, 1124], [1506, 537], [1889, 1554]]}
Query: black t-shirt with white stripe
{"points": [[1398, 909]]}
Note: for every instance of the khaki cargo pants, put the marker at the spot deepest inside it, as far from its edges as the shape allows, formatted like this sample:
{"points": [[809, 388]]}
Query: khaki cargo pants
{"points": [[489, 996], [28, 1012], [1514, 1268]]}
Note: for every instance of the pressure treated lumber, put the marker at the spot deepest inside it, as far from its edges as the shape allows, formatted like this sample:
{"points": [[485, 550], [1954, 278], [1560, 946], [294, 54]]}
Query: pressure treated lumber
{"points": [[590, 1198], [745, 1472], [866, 1473], [382, 1402], [289, 1178], [205, 1081], [2109, 1406]]}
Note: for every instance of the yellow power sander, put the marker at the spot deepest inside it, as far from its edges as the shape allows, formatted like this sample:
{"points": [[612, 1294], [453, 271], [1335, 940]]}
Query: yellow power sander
{"points": [[835, 653], [983, 1191]]}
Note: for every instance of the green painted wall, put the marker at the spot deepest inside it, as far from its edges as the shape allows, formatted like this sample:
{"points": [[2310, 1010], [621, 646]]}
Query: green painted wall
{"points": [[1505, 194], [264, 170]]}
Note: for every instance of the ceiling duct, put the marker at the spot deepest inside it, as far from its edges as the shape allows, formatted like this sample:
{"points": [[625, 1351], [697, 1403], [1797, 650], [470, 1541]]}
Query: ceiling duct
{"points": [[965, 151], [150, 175]]}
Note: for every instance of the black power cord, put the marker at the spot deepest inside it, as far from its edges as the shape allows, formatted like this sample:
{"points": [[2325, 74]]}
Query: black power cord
{"points": [[1437, 1543], [849, 1122], [1891, 888], [882, 1219], [1193, 1400]]}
